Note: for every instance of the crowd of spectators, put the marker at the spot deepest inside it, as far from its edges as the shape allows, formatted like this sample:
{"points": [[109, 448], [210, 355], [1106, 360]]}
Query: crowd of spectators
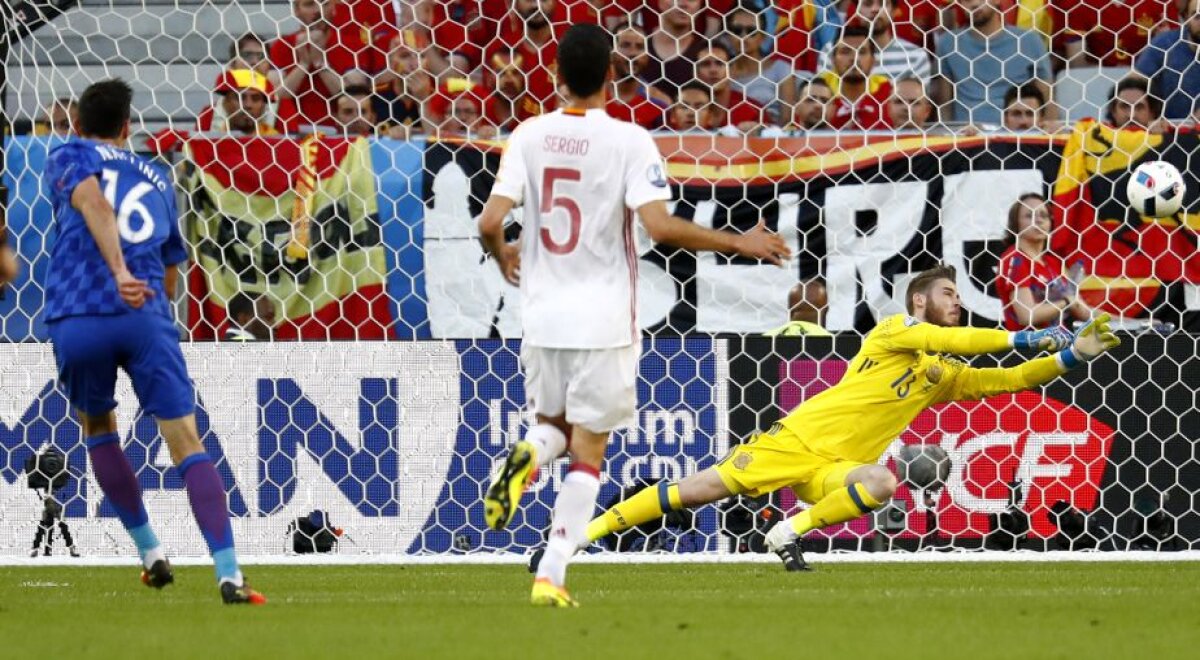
{"points": [[398, 69], [737, 67]]}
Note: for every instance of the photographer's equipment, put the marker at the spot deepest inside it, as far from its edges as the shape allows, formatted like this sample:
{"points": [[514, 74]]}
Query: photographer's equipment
{"points": [[746, 520], [890, 519], [1010, 529], [1153, 527], [1076, 530], [314, 533], [47, 471]]}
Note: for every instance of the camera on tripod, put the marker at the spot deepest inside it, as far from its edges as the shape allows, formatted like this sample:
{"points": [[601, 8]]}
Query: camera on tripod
{"points": [[47, 471]]}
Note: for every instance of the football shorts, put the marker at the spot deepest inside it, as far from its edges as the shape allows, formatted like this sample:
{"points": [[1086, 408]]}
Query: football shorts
{"points": [[595, 388]]}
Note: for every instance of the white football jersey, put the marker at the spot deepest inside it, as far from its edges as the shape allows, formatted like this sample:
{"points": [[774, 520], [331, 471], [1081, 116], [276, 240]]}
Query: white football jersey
{"points": [[579, 176]]}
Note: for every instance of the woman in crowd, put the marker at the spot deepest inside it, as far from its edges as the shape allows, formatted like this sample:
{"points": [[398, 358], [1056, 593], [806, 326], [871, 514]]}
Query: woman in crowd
{"points": [[1031, 282]]}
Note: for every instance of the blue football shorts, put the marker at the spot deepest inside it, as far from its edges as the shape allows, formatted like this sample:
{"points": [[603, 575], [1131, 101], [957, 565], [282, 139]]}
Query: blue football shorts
{"points": [[145, 343]]}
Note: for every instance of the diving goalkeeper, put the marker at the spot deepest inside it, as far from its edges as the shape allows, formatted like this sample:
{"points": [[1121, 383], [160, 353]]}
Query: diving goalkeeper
{"points": [[827, 448]]}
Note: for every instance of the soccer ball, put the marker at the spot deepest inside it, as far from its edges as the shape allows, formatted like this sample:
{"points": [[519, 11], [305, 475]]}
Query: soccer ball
{"points": [[923, 466], [1156, 189]]}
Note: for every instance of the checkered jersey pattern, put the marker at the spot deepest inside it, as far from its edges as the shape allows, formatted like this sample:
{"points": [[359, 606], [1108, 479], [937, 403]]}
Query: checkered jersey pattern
{"points": [[79, 282]]}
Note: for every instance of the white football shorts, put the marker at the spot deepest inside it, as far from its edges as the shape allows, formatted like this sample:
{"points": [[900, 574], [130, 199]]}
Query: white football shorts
{"points": [[597, 388]]}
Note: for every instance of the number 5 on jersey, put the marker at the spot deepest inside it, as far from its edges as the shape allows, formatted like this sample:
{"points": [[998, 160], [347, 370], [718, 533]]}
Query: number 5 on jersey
{"points": [[130, 205], [565, 202]]}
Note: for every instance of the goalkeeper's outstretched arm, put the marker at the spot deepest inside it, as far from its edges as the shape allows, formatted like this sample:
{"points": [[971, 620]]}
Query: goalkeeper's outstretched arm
{"points": [[903, 333], [1092, 340]]}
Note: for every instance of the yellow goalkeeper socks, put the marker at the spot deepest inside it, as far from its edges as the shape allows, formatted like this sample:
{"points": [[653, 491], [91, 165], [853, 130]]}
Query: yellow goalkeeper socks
{"points": [[648, 504], [839, 506]]}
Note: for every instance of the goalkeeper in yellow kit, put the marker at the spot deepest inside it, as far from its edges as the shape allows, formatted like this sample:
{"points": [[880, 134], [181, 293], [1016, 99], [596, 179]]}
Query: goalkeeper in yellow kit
{"points": [[827, 448]]}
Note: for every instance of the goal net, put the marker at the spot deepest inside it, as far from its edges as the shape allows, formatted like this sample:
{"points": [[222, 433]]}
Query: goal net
{"points": [[355, 355]]}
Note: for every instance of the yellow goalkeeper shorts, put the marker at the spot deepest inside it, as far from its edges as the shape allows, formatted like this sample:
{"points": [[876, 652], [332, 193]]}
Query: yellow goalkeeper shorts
{"points": [[779, 459]]}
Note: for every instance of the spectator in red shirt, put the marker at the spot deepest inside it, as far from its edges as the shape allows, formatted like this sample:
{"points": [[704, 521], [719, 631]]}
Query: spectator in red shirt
{"points": [[910, 108], [355, 114], [1107, 33], [457, 107], [812, 111], [243, 107], [730, 108], [305, 80], [916, 21], [804, 28], [400, 96], [693, 112], [632, 100], [606, 14], [361, 33], [466, 117], [510, 102], [860, 99], [675, 46], [1030, 281], [455, 26], [529, 35]]}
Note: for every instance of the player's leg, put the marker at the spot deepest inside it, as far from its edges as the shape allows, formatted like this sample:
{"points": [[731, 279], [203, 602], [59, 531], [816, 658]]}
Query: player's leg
{"points": [[87, 367], [116, 478], [839, 492], [654, 502], [600, 395], [765, 464], [543, 443], [159, 375], [545, 390], [573, 506]]}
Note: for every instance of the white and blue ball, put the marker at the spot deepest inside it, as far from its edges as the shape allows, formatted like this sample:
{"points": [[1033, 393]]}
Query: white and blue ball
{"points": [[1156, 189]]}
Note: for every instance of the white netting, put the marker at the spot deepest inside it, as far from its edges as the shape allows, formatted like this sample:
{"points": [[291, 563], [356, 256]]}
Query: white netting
{"points": [[387, 381]]}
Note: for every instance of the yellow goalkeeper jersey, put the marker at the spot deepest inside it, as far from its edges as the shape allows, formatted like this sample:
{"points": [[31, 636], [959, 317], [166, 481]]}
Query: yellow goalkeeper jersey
{"points": [[898, 372]]}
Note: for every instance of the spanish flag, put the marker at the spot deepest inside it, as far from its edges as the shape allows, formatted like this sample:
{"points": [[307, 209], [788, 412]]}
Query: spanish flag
{"points": [[294, 219]]}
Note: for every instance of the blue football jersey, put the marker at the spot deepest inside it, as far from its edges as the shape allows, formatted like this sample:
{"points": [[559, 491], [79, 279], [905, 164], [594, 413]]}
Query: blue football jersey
{"points": [[79, 282]]}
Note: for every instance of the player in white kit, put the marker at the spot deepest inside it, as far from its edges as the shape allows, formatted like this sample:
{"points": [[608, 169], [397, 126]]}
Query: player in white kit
{"points": [[579, 175]]}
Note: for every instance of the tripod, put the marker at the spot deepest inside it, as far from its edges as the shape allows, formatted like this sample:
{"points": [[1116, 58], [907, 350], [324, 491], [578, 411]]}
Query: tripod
{"points": [[52, 511]]}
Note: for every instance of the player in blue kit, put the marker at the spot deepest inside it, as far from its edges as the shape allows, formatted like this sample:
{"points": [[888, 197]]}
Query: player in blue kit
{"points": [[108, 290]]}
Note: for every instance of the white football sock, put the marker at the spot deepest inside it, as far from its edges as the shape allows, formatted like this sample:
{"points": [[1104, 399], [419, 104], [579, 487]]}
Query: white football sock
{"points": [[152, 555], [548, 441], [568, 527], [782, 534], [236, 580]]}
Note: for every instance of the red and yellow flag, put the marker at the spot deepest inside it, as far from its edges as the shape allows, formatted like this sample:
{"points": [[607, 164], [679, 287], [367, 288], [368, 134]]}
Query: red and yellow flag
{"points": [[1128, 256], [296, 220]]}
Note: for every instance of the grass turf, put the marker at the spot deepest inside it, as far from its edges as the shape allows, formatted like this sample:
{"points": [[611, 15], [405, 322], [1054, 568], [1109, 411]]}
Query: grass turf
{"points": [[1008, 610]]}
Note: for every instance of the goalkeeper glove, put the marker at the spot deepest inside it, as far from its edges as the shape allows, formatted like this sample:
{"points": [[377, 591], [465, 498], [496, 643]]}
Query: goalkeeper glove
{"points": [[1050, 339], [1089, 342]]}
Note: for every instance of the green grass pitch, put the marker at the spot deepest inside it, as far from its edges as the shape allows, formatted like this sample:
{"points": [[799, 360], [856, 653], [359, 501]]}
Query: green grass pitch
{"points": [[980, 610]]}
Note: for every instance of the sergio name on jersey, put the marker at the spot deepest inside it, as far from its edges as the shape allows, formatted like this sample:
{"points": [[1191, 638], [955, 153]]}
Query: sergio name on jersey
{"points": [[79, 282]]}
